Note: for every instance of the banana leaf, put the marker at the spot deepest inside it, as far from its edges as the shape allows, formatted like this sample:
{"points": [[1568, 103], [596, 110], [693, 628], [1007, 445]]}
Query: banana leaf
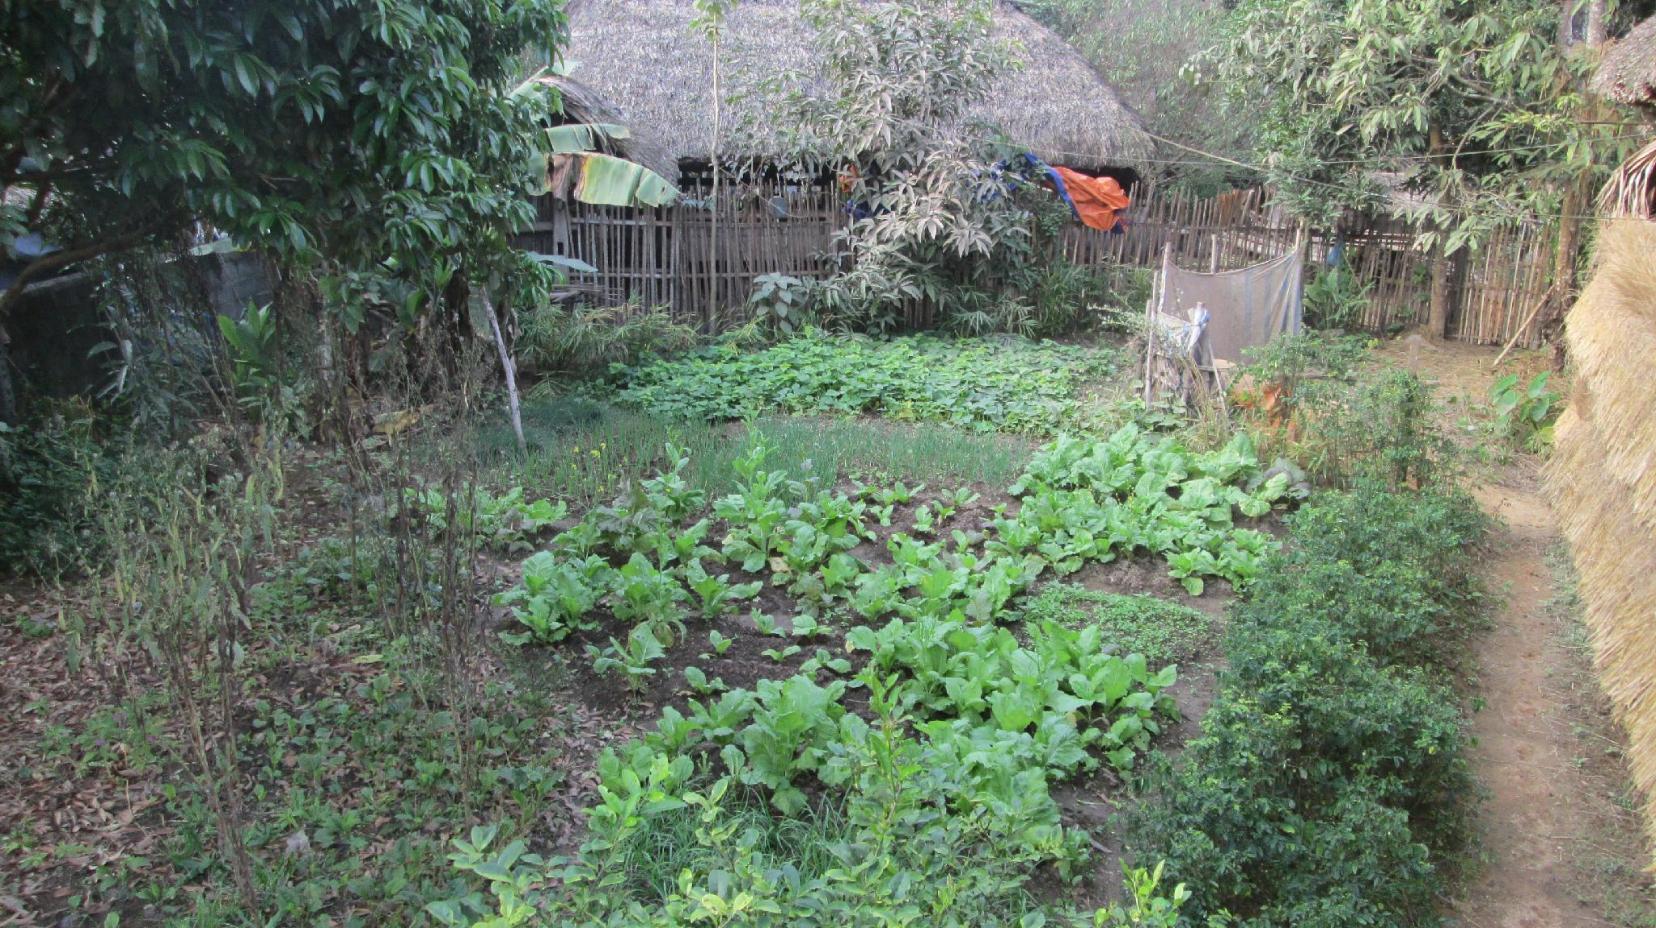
{"points": [[583, 137], [610, 181]]}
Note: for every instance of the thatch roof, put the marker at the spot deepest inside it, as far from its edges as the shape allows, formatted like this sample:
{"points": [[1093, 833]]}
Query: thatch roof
{"points": [[1631, 191], [1627, 74], [643, 57]]}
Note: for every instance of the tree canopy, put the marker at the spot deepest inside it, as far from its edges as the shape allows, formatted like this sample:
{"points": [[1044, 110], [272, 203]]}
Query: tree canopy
{"points": [[378, 143], [1473, 108]]}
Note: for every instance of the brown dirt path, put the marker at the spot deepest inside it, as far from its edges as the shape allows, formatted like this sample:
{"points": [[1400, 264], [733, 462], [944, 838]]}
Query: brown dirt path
{"points": [[1525, 741], [1558, 845]]}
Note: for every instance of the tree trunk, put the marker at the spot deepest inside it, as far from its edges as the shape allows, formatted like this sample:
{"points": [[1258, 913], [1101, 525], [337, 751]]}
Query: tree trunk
{"points": [[1569, 237], [1437, 322], [713, 226], [1577, 195], [1596, 25]]}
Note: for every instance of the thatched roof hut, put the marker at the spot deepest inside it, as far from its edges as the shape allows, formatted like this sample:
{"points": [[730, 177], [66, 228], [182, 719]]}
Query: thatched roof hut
{"points": [[1627, 74], [643, 56]]}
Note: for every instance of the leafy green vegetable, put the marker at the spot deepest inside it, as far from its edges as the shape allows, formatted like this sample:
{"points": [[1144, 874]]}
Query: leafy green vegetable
{"points": [[999, 384]]}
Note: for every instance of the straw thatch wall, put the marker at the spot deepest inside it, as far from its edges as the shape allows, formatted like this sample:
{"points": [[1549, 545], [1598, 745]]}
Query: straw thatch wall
{"points": [[644, 57], [1603, 480]]}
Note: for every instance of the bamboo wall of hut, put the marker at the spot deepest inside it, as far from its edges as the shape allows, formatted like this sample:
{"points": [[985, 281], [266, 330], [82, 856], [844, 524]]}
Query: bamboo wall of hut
{"points": [[664, 257]]}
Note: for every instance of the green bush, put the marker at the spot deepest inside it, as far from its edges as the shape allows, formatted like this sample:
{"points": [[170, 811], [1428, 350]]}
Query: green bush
{"points": [[1370, 526], [1392, 571], [1524, 412], [47, 472], [1385, 608], [1329, 784], [1233, 827], [1335, 298]]}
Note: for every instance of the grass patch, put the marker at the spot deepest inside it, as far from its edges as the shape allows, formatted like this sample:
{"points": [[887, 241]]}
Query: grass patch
{"points": [[985, 384], [667, 844], [582, 451], [1160, 630]]}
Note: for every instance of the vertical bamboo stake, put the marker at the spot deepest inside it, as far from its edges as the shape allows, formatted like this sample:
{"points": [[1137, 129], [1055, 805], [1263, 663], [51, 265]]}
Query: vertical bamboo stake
{"points": [[510, 369]]}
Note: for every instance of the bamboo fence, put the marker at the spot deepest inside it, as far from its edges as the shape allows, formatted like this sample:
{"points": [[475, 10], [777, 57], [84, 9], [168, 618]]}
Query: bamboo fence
{"points": [[663, 257]]}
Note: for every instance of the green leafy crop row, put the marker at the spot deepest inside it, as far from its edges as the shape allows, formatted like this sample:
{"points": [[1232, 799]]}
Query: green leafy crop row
{"points": [[929, 829], [1080, 501], [1329, 785], [943, 782], [983, 384]]}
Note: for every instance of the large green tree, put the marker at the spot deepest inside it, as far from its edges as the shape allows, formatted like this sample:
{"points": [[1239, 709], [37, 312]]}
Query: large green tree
{"points": [[1471, 109], [386, 147], [938, 236]]}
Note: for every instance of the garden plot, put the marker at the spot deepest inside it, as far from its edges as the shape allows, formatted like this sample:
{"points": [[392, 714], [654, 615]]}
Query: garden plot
{"points": [[769, 635], [790, 562], [768, 666]]}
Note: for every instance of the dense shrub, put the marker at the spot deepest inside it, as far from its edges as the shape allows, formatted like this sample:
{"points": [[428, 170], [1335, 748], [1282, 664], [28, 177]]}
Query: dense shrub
{"points": [[1369, 526], [45, 475], [1384, 607], [1393, 571], [1328, 787]]}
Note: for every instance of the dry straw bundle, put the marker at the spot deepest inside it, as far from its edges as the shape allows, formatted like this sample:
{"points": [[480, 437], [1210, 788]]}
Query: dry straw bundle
{"points": [[1631, 191], [1603, 481]]}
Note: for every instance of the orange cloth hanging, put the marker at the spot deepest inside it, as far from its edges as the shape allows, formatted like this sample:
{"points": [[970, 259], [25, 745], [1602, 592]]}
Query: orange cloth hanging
{"points": [[1099, 201]]}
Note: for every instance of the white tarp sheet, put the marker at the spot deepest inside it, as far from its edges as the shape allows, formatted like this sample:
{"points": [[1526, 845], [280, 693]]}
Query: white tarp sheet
{"points": [[1245, 308]]}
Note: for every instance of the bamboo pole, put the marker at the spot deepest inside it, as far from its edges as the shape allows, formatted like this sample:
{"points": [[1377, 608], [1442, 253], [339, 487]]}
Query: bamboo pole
{"points": [[510, 370], [1527, 319]]}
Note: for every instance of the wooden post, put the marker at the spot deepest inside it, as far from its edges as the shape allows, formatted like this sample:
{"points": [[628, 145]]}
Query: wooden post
{"points": [[1157, 295], [510, 369]]}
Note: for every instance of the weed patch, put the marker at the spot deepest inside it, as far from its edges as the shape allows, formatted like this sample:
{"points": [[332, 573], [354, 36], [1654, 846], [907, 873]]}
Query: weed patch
{"points": [[1160, 630]]}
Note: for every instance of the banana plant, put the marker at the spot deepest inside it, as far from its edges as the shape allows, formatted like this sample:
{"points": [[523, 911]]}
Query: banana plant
{"points": [[605, 179]]}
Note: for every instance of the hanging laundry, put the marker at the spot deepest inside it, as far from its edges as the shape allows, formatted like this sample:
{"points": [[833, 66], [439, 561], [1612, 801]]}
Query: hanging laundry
{"points": [[1099, 202]]}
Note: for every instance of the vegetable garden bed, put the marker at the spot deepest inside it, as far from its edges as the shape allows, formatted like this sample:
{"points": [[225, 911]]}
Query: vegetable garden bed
{"points": [[773, 633]]}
